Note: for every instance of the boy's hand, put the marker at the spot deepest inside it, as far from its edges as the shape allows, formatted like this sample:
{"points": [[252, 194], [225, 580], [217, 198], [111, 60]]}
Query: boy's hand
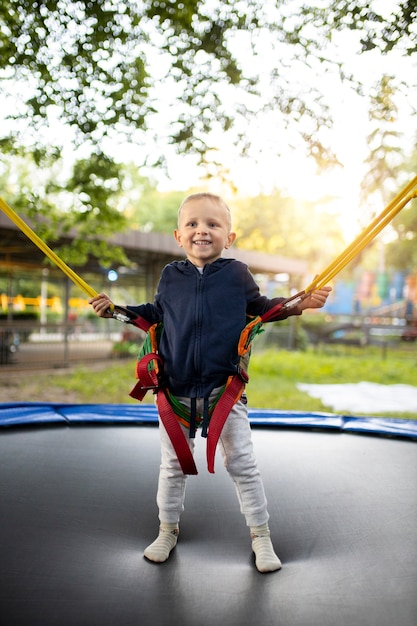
{"points": [[101, 305], [316, 299]]}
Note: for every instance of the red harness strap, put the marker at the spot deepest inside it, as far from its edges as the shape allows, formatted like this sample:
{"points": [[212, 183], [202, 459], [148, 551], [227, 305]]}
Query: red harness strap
{"points": [[234, 389], [148, 379], [231, 395], [269, 315], [176, 434]]}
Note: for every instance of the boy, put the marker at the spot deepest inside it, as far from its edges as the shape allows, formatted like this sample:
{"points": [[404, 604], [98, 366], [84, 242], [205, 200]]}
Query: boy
{"points": [[203, 303]]}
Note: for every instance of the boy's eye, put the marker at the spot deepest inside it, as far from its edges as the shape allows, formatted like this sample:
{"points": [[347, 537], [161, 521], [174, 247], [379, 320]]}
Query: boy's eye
{"points": [[209, 224]]}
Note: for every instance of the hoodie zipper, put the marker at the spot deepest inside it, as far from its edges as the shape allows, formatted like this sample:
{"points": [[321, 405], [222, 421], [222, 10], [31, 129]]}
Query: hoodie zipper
{"points": [[198, 329]]}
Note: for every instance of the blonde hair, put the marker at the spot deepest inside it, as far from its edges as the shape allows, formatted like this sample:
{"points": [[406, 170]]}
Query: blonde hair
{"points": [[209, 196]]}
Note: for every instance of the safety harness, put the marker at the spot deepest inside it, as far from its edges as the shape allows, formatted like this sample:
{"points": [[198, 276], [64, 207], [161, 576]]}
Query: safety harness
{"points": [[150, 376]]}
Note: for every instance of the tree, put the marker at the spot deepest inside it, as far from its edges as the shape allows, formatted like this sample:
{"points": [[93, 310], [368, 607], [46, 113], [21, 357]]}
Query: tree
{"points": [[385, 157], [96, 64], [394, 27], [95, 73], [385, 167], [145, 207], [277, 224], [85, 202], [401, 251]]}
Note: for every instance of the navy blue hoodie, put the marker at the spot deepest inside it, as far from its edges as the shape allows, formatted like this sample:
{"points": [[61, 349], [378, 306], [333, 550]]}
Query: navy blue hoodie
{"points": [[203, 315]]}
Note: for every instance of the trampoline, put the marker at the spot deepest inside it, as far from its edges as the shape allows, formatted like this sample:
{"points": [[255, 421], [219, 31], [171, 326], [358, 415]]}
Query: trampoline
{"points": [[78, 486]]}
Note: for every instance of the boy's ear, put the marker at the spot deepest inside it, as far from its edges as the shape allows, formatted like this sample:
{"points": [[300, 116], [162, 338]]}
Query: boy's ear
{"points": [[230, 240], [177, 237]]}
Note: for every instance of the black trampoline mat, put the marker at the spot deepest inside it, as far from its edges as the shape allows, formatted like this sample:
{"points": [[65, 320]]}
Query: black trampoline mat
{"points": [[78, 508]]}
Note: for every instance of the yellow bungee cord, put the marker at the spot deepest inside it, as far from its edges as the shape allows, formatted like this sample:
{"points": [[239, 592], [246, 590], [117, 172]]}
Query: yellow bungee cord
{"points": [[118, 312], [46, 249], [378, 223], [370, 232]]}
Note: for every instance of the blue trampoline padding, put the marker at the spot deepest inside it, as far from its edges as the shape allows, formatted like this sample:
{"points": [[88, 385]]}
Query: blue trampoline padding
{"points": [[268, 417], [381, 425], [32, 413], [29, 413]]}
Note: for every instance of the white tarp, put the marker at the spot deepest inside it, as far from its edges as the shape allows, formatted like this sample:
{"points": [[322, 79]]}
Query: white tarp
{"points": [[365, 397]]}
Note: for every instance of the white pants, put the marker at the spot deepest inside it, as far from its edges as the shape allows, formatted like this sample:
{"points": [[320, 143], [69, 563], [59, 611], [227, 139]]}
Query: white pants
{"points": [[236, 448]]}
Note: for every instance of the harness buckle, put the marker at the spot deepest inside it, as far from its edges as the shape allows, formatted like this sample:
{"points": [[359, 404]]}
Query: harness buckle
{"points": [[243, 374]]}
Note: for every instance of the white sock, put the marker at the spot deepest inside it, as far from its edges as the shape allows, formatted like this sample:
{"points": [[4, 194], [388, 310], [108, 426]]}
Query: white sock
{"points": [[265, 558], [160, 549]]}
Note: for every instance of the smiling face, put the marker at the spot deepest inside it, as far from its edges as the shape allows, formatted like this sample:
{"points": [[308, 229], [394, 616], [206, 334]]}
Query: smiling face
{"points": [[204, 229]]}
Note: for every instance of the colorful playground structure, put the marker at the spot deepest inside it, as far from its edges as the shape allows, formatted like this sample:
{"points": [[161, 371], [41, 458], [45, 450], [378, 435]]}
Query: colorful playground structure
{"points": [[54, 304]]}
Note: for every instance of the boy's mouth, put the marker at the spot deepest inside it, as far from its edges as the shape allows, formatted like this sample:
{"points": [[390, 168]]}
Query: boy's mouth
{"points": [[201, 242]]}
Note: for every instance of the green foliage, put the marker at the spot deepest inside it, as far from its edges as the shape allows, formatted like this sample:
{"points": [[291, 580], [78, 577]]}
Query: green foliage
{"points": [[380, 29], [21, 316], [92, 64], [95, 71], [146, 208], [124, 349], [69, 47], [385, 167], [95, 184], [278, 224], [385, 157], [87, 203], [402, 252], [91, 60]]}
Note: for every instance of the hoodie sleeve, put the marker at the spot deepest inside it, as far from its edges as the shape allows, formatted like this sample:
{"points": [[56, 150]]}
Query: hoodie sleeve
{"points": [[150, 311], [259, 304]]}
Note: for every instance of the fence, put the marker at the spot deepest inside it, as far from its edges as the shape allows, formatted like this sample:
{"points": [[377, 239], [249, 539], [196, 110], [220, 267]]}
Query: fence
{"points": [[25, 346], [28, 345]]}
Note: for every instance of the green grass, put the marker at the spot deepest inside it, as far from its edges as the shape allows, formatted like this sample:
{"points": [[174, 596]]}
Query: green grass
{"points": [[273, 377]]}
